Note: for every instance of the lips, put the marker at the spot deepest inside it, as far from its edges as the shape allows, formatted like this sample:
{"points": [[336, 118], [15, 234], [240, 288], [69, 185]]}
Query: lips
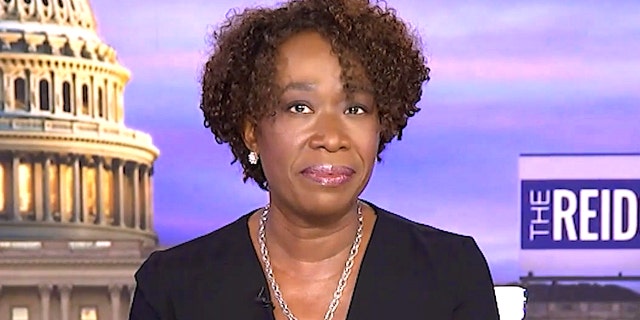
{"points": [[328, 175]]}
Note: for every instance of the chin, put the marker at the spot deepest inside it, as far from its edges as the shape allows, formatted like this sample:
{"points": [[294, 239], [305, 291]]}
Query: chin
{"points": [[329, 200]]}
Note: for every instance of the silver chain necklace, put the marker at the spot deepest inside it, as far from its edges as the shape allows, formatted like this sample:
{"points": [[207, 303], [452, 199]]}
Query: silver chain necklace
{"points": [[342, 283]]}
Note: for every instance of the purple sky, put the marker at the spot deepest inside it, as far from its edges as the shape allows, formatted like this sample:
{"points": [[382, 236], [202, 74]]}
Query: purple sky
{"points": [[508, 77]]}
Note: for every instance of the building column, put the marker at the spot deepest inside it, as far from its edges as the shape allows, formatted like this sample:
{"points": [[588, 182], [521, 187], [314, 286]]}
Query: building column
{"points": [[120, 103], [92, 97], [76, 93], [149, 201], [118, 186], [37, 193], [152, 196], [46, 189], [77, 190], [29, 103], [99, 186], [135, 175], [8, 84], [15, 188], [144, 192], [115, 292], [55, 14], [19, 6], [45, 300], [65, 295], [61, 186]]}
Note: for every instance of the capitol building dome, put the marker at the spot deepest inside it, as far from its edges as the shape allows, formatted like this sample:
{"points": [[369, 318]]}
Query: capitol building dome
{"points": [[76, 215], [70, 167]]}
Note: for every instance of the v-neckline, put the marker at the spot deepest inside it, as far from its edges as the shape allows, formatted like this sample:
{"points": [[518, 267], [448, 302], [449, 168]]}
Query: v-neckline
{"points": [[363, 272]]}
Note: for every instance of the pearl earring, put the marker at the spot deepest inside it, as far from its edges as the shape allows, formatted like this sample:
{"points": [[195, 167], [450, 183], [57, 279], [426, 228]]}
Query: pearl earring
{"points": [[253, 157]]}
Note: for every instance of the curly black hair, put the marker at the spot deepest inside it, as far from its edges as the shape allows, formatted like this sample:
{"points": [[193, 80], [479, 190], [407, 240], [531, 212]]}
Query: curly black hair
{"points": [[237, 80]]}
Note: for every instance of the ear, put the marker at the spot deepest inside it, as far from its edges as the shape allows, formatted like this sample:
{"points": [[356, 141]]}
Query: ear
{"points": [[249, 136]]}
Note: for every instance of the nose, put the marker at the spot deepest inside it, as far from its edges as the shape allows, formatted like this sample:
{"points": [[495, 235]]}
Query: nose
{"points": [[330, 133]]}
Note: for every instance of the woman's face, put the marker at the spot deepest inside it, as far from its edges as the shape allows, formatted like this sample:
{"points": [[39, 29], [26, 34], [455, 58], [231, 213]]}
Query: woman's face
{"points": [[319, 149]]}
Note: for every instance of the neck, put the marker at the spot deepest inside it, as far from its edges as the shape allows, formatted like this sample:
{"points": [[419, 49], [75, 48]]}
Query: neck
{"points": [[291, 236]]}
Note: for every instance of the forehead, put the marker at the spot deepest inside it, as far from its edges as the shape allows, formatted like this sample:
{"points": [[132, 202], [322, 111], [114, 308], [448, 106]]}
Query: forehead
{"points": [[308, 56]]}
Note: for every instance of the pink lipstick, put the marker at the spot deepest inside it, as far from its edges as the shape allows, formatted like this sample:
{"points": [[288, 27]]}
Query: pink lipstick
{"points": [[328, 175]]}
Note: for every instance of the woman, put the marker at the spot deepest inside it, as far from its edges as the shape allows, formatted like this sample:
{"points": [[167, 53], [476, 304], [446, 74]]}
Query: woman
{"points": [[307, 96]]}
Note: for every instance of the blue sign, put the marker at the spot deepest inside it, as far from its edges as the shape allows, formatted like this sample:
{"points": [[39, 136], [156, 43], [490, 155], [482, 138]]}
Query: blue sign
{"points": [[580, 214]]}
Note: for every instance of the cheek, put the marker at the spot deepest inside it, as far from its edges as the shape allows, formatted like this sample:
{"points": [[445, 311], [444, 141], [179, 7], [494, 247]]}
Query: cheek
{"points": [[277, 148], [374, 146], [368, 144], [376, 133]]}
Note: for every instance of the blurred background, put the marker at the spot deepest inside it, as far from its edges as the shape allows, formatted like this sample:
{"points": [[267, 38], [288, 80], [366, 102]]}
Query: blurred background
{"points": [[510, 80]]}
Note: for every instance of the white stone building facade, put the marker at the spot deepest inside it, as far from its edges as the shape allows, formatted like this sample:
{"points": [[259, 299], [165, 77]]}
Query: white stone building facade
{"points": [[76, 184]]}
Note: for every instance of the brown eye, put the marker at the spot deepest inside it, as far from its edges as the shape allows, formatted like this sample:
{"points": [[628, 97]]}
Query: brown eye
{"points": [[355, 110], [300, 108]]}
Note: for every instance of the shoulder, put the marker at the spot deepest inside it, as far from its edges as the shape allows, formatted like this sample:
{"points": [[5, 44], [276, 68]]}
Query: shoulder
{"points": [[454, 260], [207, 250], [167, 279], [401, 228], [446, 253]]}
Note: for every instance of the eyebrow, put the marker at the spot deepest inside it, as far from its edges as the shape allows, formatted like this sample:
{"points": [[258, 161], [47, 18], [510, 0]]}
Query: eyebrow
{"points": [[302, 86], [310, 86], [362, 88]]}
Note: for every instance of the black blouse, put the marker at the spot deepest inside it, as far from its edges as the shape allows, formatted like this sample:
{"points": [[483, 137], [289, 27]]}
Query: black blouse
{"points": [[409, 271]]}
